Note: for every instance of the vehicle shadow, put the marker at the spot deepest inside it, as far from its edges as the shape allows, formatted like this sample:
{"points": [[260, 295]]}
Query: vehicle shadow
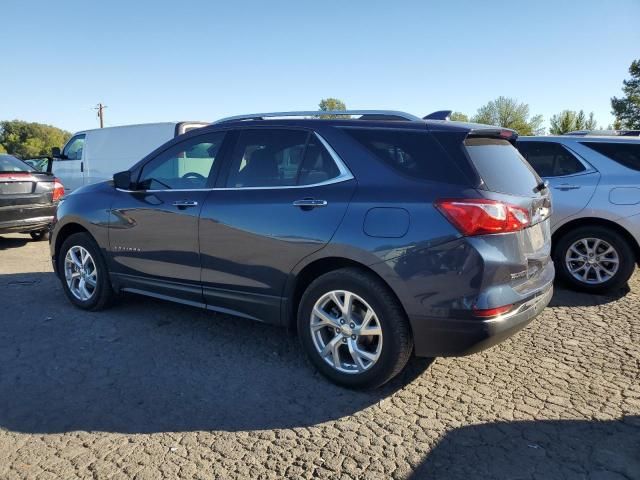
{"points": [[13, 242], [564, 297], [148, 366], [554, 449]]}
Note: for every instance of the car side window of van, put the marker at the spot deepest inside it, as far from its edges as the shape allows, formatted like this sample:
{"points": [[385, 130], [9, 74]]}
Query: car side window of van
{"points": [[550, 159], [74, 147], [187, 165]]}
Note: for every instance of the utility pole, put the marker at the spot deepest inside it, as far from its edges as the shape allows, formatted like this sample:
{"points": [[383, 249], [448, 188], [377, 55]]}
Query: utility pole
{"points": [[100, 108]]}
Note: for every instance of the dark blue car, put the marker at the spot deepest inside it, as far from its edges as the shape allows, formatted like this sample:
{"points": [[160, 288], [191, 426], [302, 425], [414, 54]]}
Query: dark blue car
{"points": [[379, 236]]}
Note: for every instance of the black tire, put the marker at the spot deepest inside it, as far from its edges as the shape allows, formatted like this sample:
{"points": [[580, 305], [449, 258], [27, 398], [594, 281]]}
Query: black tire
{"points": [[103, 293], [397, 344], [39, 235], [626, 256]]}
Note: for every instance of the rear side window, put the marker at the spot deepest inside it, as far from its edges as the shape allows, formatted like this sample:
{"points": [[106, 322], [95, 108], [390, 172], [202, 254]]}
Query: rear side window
{"points": [[280, 158], [412, 153], [501, 167], [627, 154], [550, 159]]}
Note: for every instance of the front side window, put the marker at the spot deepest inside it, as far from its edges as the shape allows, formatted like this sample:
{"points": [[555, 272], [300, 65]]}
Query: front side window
{"points": [[73, 149], [279, 158], [627, 154], [550, 159], [187, 165]]}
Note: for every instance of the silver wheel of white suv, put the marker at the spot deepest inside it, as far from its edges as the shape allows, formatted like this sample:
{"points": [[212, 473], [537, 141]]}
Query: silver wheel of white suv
{"points": [[346, 332], [592, 260], [80, 273]]}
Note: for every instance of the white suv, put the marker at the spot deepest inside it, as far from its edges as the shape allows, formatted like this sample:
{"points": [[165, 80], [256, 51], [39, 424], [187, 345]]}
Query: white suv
{"points": [[595, 182]]}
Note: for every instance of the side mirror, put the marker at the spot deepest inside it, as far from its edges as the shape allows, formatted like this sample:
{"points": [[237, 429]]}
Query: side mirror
{"points": [[55, 152], [122, 180]]}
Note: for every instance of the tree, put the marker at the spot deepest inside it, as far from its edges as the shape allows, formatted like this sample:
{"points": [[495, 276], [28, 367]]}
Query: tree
{"points": [[2, 149], [569, 120], [459, 117], [627, 109], [332, 104], [509, 113], [26, 139]]}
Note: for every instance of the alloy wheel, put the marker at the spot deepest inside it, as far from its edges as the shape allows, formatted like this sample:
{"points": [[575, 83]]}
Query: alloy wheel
{"points": [[592, 260], [80, 272], [346, 332]]}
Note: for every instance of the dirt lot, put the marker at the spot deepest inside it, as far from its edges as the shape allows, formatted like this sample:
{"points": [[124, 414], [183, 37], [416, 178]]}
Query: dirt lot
{"points": [[153, 390]]}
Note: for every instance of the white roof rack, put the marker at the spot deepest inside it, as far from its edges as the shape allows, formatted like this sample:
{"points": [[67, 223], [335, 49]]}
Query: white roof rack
{"points": [[316, 113]]}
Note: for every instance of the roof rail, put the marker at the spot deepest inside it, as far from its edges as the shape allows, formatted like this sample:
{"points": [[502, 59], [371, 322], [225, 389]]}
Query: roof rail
{"points": [[439, 115], [371, 114]]}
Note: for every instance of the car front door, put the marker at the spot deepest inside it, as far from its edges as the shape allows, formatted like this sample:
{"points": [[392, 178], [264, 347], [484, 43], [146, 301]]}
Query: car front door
{"points": [[281, 198], [69, 168], [153, 231], [572, 181]]}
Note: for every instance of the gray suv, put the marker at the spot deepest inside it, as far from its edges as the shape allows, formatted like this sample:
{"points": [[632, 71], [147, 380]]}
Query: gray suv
{"points": [[595, 183], [377, 236]]}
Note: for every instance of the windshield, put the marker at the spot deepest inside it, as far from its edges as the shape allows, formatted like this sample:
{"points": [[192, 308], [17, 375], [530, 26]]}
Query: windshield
{"points": [[10, 164]]}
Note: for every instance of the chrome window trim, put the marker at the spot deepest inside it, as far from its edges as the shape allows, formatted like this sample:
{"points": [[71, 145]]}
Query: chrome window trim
{"points": [[344, 175]]}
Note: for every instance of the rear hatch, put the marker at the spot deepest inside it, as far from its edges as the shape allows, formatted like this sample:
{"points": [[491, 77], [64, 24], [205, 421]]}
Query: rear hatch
{"points": [[506, 177]]}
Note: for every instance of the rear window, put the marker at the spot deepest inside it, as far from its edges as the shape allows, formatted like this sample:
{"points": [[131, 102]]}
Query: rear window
{"points": [[501, 167], [627, 154], [410, 152], [10, 164]]}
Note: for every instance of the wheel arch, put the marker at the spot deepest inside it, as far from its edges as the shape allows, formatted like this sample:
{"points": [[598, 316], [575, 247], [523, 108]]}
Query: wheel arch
{"points": [[65, 232], [319, 267], [595, 221]]}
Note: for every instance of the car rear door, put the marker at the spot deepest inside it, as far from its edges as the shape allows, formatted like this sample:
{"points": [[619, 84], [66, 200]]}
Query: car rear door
{"points": [[572, 181], [153, 231], [281, 198]]}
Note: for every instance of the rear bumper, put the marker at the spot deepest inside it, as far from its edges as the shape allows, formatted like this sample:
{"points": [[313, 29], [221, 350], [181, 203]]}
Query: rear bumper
{"points": [[448, 337], [26, 224]]}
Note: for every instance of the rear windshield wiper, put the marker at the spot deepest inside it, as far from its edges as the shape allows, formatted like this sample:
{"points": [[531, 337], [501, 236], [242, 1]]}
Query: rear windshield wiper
{"points": [[541, 186]]}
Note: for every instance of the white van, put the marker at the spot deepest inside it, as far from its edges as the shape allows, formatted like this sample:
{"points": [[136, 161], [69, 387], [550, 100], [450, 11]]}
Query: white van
{"points": [[93, 156]]}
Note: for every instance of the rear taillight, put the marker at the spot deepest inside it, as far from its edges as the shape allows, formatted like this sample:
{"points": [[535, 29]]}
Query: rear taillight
{"points": [[482, 217], [58, 190]]}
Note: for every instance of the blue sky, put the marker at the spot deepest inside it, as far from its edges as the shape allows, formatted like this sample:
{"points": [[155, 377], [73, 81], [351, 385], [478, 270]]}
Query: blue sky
{"points": [[201, 60]]}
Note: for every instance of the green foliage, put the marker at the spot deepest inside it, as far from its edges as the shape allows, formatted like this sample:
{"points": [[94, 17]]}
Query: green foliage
{"points": [[509, 113], [2, 149], [459, 117], [569, 120], [332, 104], [26, 139], [627, 109]]}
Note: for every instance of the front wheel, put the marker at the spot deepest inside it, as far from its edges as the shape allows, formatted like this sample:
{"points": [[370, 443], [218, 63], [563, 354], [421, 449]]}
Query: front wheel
{"points": [[594, 259], [353, 329], [83, 273]]}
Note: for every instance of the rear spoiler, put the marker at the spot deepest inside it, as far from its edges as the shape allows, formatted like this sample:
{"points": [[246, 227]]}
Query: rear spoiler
{"points": [[497, 132]]}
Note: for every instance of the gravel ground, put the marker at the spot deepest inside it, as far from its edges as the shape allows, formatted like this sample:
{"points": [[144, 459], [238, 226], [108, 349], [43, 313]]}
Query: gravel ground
{"points": [[152, 390]]}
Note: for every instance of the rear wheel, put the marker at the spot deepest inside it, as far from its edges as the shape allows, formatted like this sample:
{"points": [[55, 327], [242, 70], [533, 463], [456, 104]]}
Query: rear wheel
{"points": [[353, 329], [83, 273], [594, 259], [39, 235]]}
